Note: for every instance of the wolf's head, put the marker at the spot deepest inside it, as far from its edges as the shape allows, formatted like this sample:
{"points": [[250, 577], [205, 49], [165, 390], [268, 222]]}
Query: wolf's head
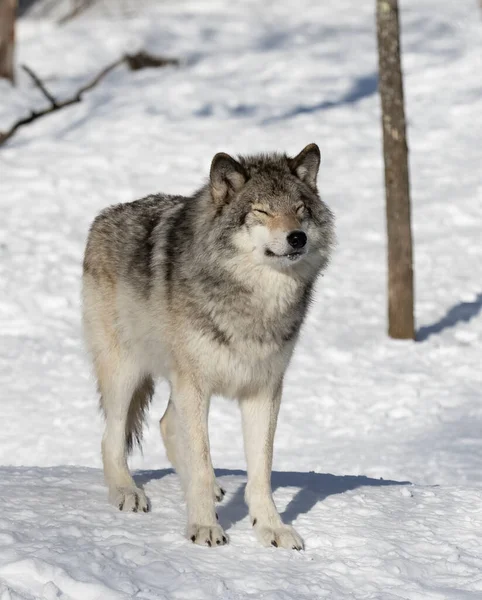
{"points": [[270, 205]]}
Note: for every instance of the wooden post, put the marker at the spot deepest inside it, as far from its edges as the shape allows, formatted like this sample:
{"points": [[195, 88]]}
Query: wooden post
{"points": [[397, 188], [7, 38]]}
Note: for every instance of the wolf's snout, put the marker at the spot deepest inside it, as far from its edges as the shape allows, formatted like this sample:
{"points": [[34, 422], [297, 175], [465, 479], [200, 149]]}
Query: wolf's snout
{"points": [[297, 239]]}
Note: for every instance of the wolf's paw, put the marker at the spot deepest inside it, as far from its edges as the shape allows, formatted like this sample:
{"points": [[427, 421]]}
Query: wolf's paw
{"points": [[218, 492], [129, 499], [212, 535], [279, 537]]}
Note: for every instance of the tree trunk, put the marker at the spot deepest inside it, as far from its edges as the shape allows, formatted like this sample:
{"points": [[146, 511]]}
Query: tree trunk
{"points": [[7, 38], [397, 189]]}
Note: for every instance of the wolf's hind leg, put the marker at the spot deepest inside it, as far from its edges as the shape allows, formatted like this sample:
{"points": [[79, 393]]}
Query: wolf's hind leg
{"points": [[168, 433], [125, 393]]}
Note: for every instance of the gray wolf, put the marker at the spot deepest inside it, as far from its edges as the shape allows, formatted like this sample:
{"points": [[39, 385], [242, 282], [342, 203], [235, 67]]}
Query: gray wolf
{"points": [[209, 292]]}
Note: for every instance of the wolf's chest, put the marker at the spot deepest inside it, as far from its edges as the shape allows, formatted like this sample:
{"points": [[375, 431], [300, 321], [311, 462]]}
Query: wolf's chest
{"points": [[243, 365], [263, 321]]}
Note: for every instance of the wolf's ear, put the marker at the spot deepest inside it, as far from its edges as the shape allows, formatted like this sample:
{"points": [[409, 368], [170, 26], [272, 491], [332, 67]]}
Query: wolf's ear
{"points": [[306, 165], [227, 177]]}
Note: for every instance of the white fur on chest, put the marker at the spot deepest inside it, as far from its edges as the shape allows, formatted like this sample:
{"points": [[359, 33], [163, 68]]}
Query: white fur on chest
{"points": [[231, 369], [237, 369]]}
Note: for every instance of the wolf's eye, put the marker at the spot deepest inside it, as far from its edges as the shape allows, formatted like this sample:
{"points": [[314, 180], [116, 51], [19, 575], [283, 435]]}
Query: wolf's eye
{"points": [[261, 212], [300, 209]]}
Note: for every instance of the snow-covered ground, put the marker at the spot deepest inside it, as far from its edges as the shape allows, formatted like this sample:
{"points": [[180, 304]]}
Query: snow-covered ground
{"points": [[358, 407]]}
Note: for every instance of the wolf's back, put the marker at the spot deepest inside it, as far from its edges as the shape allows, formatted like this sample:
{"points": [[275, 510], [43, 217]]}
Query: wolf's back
{"points": [[122, 238]]}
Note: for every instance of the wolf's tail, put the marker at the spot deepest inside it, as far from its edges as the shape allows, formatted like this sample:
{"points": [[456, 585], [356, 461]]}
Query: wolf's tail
{"points": [[141, 399]]}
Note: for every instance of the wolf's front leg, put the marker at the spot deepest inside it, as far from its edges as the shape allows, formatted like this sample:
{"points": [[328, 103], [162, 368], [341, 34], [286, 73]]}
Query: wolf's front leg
{"points": [[194, 460], [260, 415]]}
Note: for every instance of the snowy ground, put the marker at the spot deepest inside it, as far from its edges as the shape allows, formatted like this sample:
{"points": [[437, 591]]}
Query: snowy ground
{"points": [[358, 407]]}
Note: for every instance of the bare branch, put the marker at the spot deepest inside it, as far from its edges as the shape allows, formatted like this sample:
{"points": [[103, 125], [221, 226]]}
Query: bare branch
{"points": [[34, 115], [79, 7], [93, 82], [38, 82], [137, 61]]}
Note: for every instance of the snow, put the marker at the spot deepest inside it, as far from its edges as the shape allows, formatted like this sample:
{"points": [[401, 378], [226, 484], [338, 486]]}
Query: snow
{"points": [[358, 407]]}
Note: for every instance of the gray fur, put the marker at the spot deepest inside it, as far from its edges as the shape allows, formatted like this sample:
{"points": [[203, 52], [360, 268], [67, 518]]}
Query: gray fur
{"points": [[207, 292]]}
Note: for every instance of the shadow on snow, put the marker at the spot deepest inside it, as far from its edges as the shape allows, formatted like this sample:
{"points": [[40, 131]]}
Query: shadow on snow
{"points": [[463, 311], [362, 87], [312, 488]]}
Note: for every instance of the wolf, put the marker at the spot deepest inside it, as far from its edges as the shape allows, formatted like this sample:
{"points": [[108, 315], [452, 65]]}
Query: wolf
{"points": [[208, 292]]}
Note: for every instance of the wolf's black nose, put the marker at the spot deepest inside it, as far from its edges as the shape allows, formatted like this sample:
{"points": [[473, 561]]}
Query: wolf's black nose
{"points": [[297, 239]]}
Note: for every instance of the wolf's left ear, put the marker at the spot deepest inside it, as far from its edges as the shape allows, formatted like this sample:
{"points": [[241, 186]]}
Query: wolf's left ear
{"points": [[305, 166], [227, 177]]}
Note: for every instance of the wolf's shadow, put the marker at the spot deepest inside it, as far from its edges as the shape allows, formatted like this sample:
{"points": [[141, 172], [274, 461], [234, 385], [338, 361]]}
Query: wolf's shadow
{"points": [[312, 488]]}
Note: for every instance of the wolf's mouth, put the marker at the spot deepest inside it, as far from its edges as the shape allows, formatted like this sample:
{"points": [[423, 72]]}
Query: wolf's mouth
{"points": [[290, 255]]}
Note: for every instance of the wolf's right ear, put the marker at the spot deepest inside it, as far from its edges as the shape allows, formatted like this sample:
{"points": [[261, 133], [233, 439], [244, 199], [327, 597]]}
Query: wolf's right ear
{"points": [[227, 177]]}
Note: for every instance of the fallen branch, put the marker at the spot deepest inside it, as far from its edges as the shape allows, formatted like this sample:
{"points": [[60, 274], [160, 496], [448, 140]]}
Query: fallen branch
{"points": [[135, 62], [40, 85], [79, 8]]}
